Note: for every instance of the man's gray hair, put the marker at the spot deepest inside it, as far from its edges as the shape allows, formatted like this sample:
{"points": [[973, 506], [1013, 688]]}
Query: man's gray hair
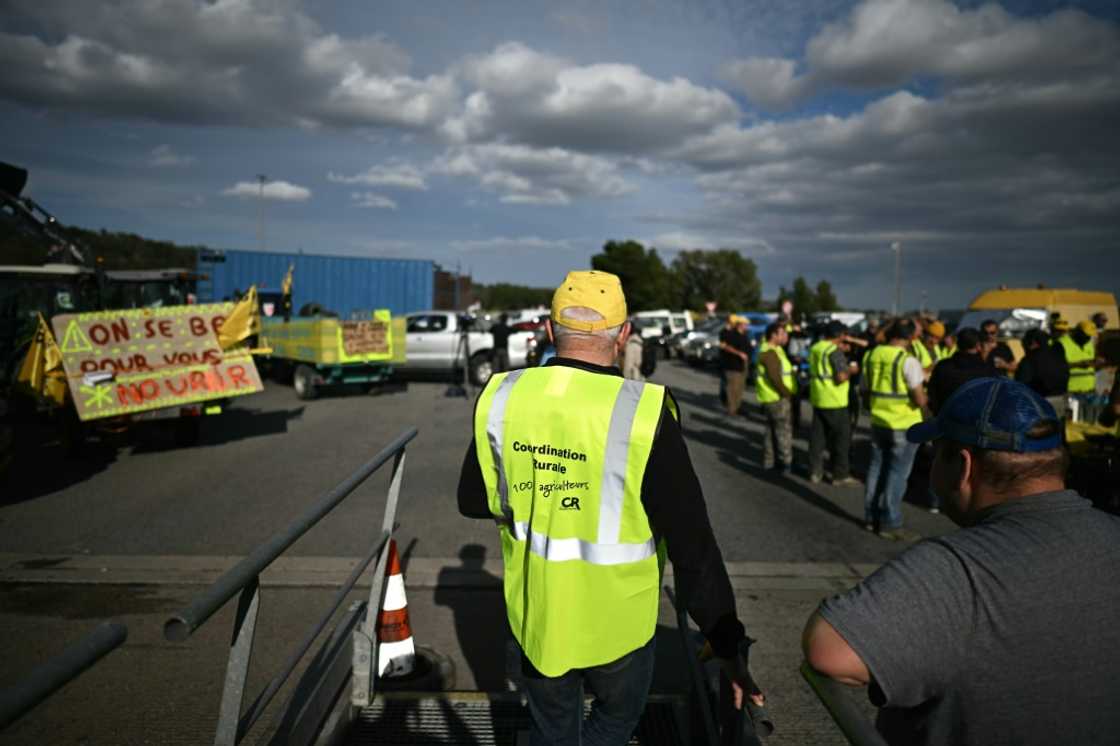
{"points": [[567, 335]]}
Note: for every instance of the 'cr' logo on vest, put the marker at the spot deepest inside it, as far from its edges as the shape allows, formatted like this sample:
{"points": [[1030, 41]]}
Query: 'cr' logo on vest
{"points": [[569, 503]]}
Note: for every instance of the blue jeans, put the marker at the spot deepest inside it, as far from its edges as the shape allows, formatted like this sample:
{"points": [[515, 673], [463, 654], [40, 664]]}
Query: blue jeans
{"points": [[891, 452], [620, 688]]}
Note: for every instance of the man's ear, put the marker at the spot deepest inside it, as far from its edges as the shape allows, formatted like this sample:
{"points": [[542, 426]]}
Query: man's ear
{"points": [[548, 328], [625, 333], [967, 472]]}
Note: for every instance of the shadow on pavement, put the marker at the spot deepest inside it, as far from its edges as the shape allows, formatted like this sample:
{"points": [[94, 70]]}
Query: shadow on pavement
{"points": [[706, 401], [232, 425], [743, 450], [41, 465], [480, 617]]}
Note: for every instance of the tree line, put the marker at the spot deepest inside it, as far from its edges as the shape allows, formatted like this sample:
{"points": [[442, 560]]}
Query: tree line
{"points": [[691, 280], [697, 277]]}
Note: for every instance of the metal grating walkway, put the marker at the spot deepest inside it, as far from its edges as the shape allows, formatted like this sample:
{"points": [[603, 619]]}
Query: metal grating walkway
{"points": [[481, 719]]}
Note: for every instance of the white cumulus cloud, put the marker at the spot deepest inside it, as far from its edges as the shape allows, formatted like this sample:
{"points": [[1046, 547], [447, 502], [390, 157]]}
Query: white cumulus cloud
{"points": [[280, 191], [530, 97], [165, 155], [369, 199], [397, 175], [887, 43], [244, 62], [520, 174]]}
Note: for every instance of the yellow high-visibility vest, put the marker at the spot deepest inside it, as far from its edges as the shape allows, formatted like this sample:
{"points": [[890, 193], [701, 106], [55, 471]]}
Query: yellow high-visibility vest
{"points": [[767, 392], [824, 392], [1081, 380], [563, 452], [890, 398]]}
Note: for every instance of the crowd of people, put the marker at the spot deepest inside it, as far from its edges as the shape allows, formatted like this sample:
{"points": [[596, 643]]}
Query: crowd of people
{"points": [[901, 371], [1002, 632]]}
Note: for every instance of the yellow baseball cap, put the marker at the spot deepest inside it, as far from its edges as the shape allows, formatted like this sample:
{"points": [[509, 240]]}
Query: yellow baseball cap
{"points": [[1061, 325], [936, 329], [1088, 327], [599, 291]]}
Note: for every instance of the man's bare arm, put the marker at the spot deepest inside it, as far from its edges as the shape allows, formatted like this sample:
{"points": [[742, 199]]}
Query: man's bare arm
{"points": [[919, 399], [829, 653]]}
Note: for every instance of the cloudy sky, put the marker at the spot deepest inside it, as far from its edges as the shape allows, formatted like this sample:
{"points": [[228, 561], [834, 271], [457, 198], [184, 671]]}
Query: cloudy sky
{"points": [[514, 138]]}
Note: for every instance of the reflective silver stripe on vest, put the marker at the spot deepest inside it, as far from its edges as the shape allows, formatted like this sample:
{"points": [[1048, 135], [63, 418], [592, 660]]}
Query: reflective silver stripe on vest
{"points": [[562, 550], [894, 380], [612, 488], [494, 430], [825, 363]]}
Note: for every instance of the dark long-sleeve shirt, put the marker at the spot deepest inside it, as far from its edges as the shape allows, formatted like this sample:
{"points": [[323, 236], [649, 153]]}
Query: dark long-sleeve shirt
{"points": [[674, 504]]}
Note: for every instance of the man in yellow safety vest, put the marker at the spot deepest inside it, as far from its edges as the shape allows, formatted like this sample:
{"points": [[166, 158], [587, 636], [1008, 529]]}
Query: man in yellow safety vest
{"points": [[829, 371], [894, 381], [588, 478], [775, 386], [929, 349], [1081, 354]]}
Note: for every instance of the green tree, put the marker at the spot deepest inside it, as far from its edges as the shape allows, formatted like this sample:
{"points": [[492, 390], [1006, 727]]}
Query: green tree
{"points": [[826, 299], [504, 296], [645, 280], [724, 276], [803, 297]]}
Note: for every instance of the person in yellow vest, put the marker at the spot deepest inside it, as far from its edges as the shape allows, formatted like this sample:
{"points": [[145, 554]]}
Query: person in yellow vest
{"points": [[588, 478], [918, 347], [893, 378], [934, 342], [829, 371], [949, 346], [775, 386], [1081, 354]]}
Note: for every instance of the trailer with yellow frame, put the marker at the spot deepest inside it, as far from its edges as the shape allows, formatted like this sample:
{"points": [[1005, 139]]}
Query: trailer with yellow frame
{"points": [[323, 351]]}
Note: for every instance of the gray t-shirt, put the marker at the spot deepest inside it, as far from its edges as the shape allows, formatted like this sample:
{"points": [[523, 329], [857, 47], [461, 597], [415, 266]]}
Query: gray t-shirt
{"points": [[1007, 632]]}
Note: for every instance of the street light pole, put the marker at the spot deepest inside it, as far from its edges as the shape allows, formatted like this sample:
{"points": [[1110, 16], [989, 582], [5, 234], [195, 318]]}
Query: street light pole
{"points": [[896, 247], [261, 179]]}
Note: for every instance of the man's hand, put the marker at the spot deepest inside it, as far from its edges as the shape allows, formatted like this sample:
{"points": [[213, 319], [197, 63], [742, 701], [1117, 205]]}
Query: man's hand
{"points": [[738, 673]]}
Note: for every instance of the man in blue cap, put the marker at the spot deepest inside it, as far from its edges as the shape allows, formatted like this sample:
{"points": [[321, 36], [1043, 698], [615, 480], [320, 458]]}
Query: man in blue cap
{"points": [[1003, 632]]}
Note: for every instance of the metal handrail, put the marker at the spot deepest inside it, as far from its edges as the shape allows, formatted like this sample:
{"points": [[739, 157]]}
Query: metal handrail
{"points": [[740, 727], [692, 657], [49, 677], [249, 719], [243, 580], [186, 622], [837, 699]]}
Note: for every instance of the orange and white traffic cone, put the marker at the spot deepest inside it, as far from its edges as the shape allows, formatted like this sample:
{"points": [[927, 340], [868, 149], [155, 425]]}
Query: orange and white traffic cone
{"points": [[396, 652]]}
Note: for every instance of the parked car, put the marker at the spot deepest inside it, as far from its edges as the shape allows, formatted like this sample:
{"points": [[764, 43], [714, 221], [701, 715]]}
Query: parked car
{"points": [[703, 346], [437, 342]]}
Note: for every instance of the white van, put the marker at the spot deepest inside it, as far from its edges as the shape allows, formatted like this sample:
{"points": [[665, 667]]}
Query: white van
{"points": [[653, 323]]}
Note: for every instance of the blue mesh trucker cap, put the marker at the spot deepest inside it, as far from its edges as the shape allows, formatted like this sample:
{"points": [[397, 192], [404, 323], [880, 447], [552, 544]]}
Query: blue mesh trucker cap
{"points": [[992, 413]]}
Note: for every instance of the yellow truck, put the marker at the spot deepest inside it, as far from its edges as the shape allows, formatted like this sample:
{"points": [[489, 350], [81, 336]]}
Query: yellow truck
{"points": [[1017, 310], [321, 351]]}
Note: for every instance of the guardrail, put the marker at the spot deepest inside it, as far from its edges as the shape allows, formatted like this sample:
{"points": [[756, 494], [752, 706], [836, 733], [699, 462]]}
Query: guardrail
{"points": [[837, 699], [46, 679], [243, 580]]}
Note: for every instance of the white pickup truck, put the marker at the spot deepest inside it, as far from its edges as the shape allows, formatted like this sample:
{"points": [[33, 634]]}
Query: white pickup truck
{"points": [[436, 341]]}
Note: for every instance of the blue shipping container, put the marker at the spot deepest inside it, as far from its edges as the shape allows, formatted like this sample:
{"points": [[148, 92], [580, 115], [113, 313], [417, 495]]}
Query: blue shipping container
{"points": [[342, 284]]}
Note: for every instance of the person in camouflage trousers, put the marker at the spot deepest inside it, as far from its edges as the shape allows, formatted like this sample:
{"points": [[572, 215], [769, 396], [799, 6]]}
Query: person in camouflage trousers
{"points": [[775, 386]]}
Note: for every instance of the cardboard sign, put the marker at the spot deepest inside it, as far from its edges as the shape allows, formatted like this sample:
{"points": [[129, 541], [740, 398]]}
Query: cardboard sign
{"points": [[123, 362], [365, 338]]}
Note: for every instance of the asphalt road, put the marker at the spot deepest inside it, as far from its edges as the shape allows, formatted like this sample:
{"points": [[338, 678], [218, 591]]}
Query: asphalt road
{"points": [[264, 460], [135, 526]]}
